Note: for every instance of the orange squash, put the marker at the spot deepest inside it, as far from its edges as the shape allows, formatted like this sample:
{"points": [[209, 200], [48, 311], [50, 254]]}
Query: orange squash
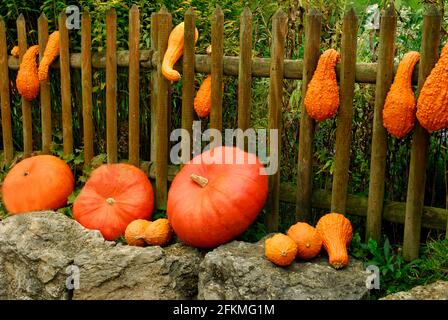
{"points": [[307, 239], [158, 233], [27, 80], [322, 94], [203, 99], [15, 52], [280, 249], [399, 108], [50, 54], [432, 104], [174, 51], [336, 233], [37, 183], [135, 232]]}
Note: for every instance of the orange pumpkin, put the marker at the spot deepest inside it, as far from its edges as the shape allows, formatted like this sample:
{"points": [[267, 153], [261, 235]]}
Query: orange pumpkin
{"points": [[114, 196], [336, 233], [158, 233], [37, 183], [216, 196], [135, 232], [307, 239], [280, 249]]}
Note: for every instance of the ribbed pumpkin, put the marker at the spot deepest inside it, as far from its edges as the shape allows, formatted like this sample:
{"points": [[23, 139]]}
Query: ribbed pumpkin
{"points": [[322, 94], [280, 249], [37, 183], [158, 233], [216, 196], [307, 239], [174, 51], [51, 52], [135, 232], [336, 233], [27, 80], [114, 196], [399, 108], [432, 103]]}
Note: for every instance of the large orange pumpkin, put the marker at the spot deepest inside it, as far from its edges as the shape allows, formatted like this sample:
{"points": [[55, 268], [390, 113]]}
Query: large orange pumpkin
{"points": [[37, 183], [216, 196], [114, 196]]}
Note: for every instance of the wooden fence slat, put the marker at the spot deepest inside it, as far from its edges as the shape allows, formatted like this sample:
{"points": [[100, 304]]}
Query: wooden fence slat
{"points": [[188, 83], [306, 132], [163, 86], [384, 78], [279, 29], [4, 96], [153, 85], [86, 75], [134, 85], [217, 68], [420, 142], [245, 70], [27, 120], [45, 94], [345, 113], [111, 85], [64, 60]]}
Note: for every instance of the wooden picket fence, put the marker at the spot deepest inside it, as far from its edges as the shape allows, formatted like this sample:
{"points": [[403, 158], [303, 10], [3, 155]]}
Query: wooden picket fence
{"points": [[245, 67]]}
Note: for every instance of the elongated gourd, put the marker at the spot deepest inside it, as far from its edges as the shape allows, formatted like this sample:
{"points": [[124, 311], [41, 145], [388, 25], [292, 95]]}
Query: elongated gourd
{"points": [[27, 81], [50, 54], [203, 99], [399, 108], [336, 233], [322, 95], [174, 51], [432, 103]]}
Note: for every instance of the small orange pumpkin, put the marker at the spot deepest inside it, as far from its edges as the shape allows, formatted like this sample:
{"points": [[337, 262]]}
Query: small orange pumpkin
{"points": [[336, 232], [280, 249], [135, 232], [307, 239], [158, 232]]}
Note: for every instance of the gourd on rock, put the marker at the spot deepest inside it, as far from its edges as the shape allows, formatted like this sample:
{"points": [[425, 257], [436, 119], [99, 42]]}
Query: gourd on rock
{"points": [[280, 249], [114, 196], [27, 80], [308, 240], [432, 103], [135, 232], [399, 108], [174, 51], [322, 94], [158, 233]]}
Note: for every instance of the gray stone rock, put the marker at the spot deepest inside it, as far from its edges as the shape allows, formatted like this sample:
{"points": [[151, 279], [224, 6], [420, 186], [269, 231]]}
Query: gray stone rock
{"points": [[434, 291], [37, 248], [239, 270]]}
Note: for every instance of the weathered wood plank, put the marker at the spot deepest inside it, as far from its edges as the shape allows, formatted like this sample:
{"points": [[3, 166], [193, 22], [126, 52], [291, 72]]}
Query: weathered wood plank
{"points": [[153, 85], [111, 86], [217, 68]]}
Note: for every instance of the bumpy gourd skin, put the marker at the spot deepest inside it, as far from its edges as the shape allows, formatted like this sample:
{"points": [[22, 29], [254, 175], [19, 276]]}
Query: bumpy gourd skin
{"points": [[174, 51], [432, 104], [336, 233], [322, 95], [27, 79], [399, 108], [50, 54], [203, 99]]}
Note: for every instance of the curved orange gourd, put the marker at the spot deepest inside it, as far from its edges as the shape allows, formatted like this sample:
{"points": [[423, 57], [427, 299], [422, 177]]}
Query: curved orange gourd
{"points": [[27, 80], [174, 51], [322, 94], [399, 108], [203, 99], [50, 54]]}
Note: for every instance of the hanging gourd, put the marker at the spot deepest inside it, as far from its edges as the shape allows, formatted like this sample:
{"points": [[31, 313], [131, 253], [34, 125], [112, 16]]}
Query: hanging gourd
{"points": [[203, 99], [322, 94], [27, 80], [399, 108], [432, 103], [174, 51], [216, 196], [114, 196], [38, 183], [51, 52], [336, 233]]}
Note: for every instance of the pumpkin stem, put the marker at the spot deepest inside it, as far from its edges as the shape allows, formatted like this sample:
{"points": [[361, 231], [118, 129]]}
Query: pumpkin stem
{"points": [[110, 200], [201, 181]]}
